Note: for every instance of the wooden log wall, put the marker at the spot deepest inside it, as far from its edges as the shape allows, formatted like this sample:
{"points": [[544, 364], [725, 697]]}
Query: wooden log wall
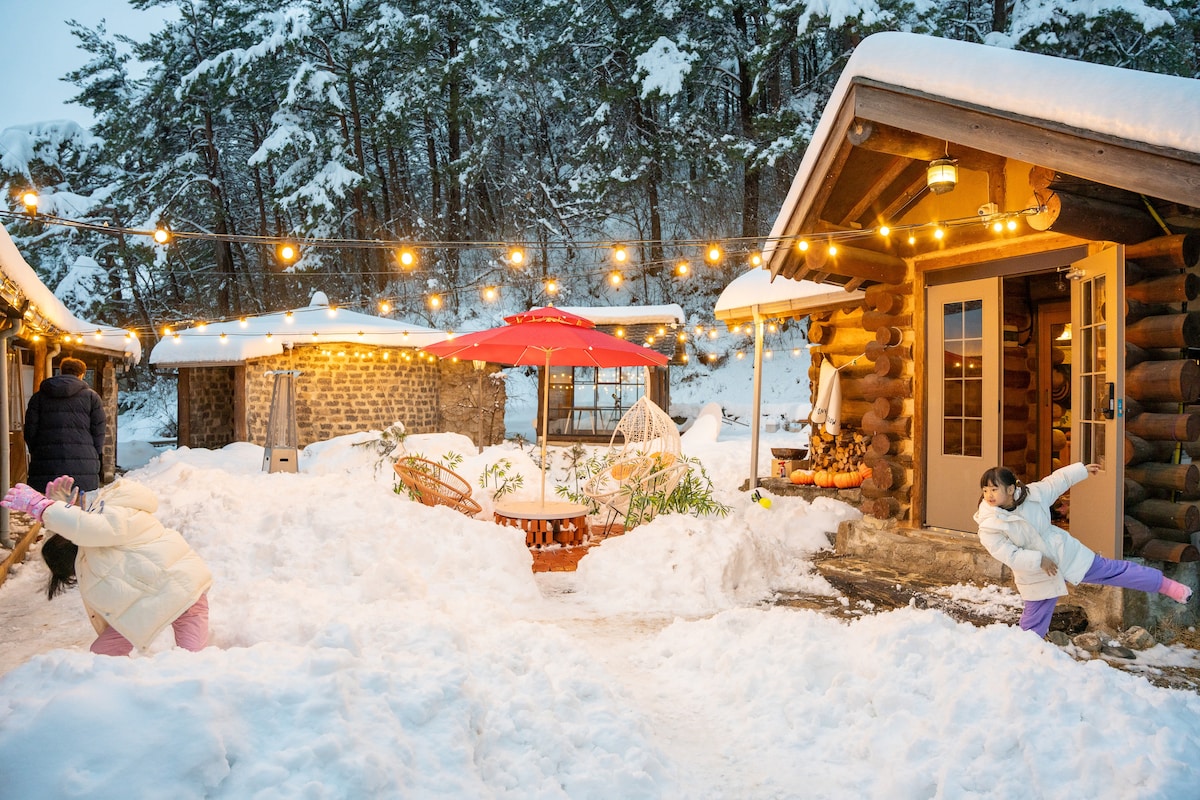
{"points": [[877, 393], [1162, 394]]}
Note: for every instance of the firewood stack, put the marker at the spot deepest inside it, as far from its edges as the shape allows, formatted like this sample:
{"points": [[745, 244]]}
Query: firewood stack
{"points": [[877, 391], [841, 453]]}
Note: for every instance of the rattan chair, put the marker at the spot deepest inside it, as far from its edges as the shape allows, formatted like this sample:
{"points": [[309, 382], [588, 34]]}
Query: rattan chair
{"points": [[433, 484]]}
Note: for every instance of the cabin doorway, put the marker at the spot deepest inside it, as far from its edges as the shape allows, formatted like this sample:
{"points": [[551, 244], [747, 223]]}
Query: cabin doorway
{"points": [[1018, 376]]}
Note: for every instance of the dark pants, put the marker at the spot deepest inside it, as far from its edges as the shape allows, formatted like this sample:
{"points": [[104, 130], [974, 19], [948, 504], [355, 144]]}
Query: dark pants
{"points": [[1126, 574]]}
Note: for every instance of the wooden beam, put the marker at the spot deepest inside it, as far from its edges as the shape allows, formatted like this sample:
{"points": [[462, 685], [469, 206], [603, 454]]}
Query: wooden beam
{"points": [[881, 138], [1090, 218], [872, 193], [857, 262], [1142, 168], [1032, 245]]}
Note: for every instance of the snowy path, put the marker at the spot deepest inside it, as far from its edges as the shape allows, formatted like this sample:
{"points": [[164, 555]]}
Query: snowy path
{"points": [[690, 731]]}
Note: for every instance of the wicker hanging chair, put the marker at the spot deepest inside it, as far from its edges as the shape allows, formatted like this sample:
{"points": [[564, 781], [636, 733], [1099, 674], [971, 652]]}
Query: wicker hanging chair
{"points": [[645, 457]]}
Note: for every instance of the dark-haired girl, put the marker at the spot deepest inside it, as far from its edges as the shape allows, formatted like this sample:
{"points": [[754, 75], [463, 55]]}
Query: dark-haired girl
{"points": [[1014, 526]]}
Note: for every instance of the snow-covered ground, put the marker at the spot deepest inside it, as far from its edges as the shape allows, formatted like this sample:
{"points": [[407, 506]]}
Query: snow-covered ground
{"points": [[364, 645]]}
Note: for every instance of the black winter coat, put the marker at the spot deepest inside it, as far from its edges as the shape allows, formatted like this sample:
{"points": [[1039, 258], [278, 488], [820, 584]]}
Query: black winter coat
{"points": [[64, 430]]}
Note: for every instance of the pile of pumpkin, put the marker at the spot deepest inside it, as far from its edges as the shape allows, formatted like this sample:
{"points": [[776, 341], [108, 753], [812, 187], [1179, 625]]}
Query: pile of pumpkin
{"points": [[828, 479]]}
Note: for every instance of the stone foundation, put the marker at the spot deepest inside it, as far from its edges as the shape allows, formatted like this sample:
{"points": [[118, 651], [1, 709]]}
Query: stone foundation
{"points": [[960, 558]]}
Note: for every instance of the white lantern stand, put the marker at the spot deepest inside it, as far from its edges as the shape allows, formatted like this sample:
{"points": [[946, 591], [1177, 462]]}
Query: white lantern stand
{"points": [[282, 446]]}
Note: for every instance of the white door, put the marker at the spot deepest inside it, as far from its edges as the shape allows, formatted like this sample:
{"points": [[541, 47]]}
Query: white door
{"points": [[964, 337], [1098, 400]]}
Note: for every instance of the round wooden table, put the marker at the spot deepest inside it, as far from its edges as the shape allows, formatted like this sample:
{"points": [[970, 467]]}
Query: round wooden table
{"points": [[545, 523]]}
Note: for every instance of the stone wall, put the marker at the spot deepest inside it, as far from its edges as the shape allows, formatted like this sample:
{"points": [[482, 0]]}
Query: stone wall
{"points": [[210, 403], [345, 389], [108, 393], [472, 401]]}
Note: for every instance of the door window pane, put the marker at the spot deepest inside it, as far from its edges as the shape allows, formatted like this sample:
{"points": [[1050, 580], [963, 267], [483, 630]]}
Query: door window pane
{"points": [[962, 378]]}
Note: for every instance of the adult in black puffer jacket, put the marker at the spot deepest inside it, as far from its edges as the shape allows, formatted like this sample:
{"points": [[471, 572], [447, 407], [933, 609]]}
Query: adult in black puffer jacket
{"points": [[64, 429]]}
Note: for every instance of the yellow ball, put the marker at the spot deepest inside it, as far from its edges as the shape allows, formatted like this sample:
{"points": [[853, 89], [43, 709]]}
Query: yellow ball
{"points": [[765, 502]]}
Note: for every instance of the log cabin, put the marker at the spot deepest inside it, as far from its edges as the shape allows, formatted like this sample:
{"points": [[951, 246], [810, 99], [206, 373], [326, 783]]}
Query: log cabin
{"points": [[1026, 234]]}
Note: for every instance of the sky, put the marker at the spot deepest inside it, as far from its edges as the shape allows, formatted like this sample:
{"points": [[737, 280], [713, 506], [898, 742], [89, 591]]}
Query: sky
{"points": [[39, 49], [364, 645]]}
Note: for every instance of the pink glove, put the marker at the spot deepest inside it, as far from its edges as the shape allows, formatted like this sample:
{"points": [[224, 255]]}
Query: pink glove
{"points": [[25, 498], [63, 489]]}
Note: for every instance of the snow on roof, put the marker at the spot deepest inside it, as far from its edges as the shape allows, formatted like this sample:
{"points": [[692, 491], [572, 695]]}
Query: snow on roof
{"points": [[270, 334], [1160, 110], [781, 296], [43, 302], [629, 315]]}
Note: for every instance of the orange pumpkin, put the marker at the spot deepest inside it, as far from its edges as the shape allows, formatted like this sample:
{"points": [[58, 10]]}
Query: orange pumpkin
{"points": [[801, 477], [823, 478], [847, 480], [865, 471]]}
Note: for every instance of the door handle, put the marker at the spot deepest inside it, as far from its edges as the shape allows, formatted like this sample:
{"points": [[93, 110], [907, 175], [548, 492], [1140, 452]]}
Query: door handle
{"points": [[1109, 410]]}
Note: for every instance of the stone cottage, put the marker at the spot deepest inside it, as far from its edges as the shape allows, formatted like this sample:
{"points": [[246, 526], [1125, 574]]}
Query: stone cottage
{"points": [[350, 372]]}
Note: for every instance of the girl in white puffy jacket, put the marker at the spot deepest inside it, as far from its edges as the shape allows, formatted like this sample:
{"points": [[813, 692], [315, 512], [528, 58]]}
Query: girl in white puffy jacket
{"points": [[135, 575], [1014, 526]]}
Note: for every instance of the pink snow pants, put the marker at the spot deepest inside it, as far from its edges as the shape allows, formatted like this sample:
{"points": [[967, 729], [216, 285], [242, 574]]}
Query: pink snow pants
{"points": [[191, 632]]}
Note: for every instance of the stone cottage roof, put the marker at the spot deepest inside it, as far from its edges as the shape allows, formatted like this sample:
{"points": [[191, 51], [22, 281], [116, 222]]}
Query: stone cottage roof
{"points": [[237, 341]]}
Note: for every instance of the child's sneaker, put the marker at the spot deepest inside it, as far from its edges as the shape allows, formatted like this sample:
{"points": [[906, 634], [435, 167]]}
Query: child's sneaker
{"points": [[1175, 590]]}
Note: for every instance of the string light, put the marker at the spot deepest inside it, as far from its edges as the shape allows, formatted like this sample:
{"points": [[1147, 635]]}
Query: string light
{"points": [[551, 286], [385, 307], [407, 258], [162, 235], [615, 278], [620, 254], [490, 293], [681, 269], [288, 252], [516, 256], [714, 254]]}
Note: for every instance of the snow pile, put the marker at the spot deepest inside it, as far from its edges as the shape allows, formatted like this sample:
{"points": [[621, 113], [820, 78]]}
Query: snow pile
{"points": [[364, 645]]}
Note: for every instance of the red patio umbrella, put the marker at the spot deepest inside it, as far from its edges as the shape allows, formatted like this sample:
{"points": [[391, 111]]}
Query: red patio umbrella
{"points": [[547, 337]]}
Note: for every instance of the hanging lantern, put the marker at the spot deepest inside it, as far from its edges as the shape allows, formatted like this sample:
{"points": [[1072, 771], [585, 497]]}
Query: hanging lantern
{"points": [[942, 175]]}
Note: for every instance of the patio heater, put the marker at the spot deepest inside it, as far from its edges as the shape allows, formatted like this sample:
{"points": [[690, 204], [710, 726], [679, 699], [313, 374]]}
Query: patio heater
{"points": [[282, 445]]}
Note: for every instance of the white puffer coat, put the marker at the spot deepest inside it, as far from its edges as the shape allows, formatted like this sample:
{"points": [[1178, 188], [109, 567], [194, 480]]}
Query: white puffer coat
{"points": [[1020, 537], [134, 573]]}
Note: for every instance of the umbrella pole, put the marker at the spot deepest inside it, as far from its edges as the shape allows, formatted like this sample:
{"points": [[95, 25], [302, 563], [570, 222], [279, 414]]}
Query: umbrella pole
{"points": [[756, 414], [545, 424]]}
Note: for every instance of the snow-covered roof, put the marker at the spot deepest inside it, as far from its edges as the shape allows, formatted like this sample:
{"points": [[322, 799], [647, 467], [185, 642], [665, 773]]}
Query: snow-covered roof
{"points": [[629, 315], [44, 305], [1154, 109], [237, 341], [779, 297]]}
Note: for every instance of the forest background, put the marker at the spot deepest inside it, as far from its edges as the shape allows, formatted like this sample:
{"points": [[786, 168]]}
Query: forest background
{"points": [[364, 130]]}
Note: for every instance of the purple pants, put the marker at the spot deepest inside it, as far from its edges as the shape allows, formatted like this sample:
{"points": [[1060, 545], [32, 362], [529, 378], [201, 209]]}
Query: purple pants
{"points": [[1126, 574], [191, 632]]}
